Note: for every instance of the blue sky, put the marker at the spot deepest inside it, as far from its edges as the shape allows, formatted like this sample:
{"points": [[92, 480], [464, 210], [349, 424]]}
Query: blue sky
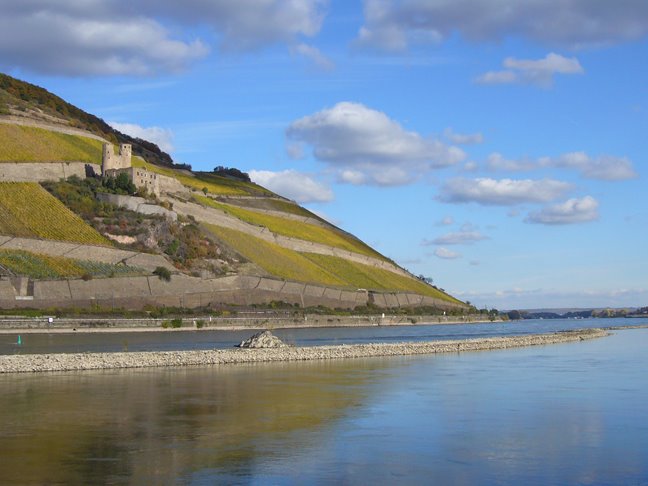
{"points": [[496, 147]]}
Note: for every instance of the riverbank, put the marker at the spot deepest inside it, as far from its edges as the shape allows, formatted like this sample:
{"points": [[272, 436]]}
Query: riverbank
{"points": [[96, 361], [12, 325]]}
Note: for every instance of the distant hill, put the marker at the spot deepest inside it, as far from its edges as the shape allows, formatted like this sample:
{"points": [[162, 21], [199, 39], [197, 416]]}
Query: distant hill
{"points": [[204, 238]]}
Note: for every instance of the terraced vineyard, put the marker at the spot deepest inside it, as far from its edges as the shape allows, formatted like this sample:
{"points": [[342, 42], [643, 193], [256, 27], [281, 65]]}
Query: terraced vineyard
{"points": [[321, 269], [302, 231], [364, 276], [274, 259], [214, 184], [31, 144], [33, 265], [28, 210]]}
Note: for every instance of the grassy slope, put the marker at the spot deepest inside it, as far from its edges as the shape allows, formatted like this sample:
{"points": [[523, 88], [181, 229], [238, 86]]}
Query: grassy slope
{"points": [[26, 209], [320, 269], [293, 229], [44, 266], [30, 144]]}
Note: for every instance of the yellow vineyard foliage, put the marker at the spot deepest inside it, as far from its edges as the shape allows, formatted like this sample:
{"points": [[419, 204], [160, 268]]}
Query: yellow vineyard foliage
{"points": [[292, 229], [364, 276], [30, 144], [274, 259], [321, 269], [26, 209], [40, 266]]}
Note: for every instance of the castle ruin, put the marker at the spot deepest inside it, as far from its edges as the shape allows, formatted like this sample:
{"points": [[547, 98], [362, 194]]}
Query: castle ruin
{"points": [[114, 164]]}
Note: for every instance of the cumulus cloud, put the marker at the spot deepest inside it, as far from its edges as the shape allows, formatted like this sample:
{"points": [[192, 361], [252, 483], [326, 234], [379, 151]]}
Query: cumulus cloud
{"points": [[394, 25], [293, 185], [538, 72], [463, 138], [569, 212], [120, 37], [446, 254], [463, 237], [248, 24], [503, 192], [605, 167], [365, 146], [162, 137], [93, 38]]}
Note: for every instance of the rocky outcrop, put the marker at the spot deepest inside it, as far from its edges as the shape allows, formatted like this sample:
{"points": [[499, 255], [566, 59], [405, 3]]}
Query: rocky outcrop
{"points": [[263, 339]]}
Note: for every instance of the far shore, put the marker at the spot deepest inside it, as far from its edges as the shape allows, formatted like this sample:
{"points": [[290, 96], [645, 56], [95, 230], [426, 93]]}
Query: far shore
{"points": [[31, 363]]}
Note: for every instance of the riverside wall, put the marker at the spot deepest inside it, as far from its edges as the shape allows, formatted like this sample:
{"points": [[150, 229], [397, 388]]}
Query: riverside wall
{"points": [[193, 292]]}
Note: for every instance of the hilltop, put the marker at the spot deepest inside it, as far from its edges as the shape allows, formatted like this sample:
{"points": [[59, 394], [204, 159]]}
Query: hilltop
{"points": [[84, 223]]}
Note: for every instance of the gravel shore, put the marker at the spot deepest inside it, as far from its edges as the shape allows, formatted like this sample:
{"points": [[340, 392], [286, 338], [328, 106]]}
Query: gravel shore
{"points": [[95, 361]]}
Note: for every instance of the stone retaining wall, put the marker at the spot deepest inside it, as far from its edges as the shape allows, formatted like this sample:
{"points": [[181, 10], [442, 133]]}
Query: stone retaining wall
{"points": [[193, 292], [94, 253], [45, 171]]}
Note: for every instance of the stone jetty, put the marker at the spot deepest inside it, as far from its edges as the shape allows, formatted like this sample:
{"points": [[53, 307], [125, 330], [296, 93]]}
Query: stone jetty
{"points": [[95, 361]]}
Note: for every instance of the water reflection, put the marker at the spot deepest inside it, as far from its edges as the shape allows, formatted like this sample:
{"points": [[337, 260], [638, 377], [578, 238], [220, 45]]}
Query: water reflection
{"points": [[96, 427], [561, 414]]}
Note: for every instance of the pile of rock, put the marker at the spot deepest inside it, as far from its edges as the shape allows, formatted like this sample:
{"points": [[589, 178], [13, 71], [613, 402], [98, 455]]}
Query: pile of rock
{"points": [[263, 339]]}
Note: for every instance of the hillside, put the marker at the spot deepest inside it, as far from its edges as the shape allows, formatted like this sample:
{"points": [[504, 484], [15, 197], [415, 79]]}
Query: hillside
{"points": [[194, 239]]}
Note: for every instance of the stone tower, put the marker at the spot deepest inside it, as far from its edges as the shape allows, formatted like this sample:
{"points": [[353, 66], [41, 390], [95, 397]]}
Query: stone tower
{"points": [[111, 161]]}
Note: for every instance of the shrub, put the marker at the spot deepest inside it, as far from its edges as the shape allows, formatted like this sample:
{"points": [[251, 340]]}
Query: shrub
{"points": [[200, 324], [176, 323], [163, 273]]}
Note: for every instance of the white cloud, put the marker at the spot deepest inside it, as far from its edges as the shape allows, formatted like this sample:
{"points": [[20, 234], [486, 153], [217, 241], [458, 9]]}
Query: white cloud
{"points": [[121, 37], [463, 138], [53, 38], [446, 254], [553, 298], [503, 192], [293, 185], [605, 167], [295, 151], [569, 212], [496, 161], [365, 146], [245, 25], [162, 137], [314, 55], [464, 237], [394, 25], [538, 72]]}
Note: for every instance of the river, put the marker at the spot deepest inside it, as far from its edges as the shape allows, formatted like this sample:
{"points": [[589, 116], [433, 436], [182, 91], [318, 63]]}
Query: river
{"points": [[561, 414]]}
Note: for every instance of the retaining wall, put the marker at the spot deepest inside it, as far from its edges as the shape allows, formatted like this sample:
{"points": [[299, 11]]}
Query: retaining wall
{"points": [[45, 171], [192, 292]]}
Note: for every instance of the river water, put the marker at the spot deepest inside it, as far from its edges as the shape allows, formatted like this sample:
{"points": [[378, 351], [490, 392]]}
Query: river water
{"points": [[79, 342], [573, 413]]}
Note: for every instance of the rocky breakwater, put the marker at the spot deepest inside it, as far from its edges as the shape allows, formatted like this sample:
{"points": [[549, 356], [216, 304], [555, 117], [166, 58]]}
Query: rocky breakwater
{"points": [[94, 361]]}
